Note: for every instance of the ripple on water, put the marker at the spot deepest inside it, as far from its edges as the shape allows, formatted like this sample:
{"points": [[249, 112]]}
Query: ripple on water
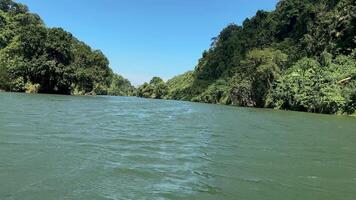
{"points": [[130, 148]]}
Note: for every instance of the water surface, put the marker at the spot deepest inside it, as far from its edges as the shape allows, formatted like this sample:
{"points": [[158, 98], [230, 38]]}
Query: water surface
{"points": [[70, 147]]}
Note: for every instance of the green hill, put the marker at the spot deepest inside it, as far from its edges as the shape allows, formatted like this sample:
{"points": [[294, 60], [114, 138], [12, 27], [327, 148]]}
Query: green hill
{"points": [[301, 56], [34, 58]]}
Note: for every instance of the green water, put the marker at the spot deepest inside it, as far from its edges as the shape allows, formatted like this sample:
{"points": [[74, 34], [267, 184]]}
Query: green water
{"points": [[67, 147]]}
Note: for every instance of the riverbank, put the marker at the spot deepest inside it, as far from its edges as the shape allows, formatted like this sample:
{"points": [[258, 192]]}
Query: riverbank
{"points": [[230, 105], [167, 99]]}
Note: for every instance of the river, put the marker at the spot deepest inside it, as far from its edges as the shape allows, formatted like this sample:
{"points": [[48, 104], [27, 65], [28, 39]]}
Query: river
{"points": [[97, 147]]}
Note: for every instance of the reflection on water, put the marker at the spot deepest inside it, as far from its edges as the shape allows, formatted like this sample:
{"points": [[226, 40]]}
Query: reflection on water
{"points": [[65, 147]]}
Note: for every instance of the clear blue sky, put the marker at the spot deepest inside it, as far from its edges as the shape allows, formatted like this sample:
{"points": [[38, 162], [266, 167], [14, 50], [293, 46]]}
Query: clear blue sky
{"points": [[145, 38]]}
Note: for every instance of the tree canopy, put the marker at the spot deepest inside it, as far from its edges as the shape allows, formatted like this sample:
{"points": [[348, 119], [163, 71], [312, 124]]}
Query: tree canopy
{"points": [[156, 89], [34, 58], [301, 56]]}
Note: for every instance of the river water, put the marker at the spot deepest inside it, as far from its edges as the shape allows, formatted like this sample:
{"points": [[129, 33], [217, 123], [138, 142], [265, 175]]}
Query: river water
{"points": [[73, 147]]}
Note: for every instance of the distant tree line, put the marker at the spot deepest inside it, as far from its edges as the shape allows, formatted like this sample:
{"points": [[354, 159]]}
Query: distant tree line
{"points": [[34, 58], [301, 56]]}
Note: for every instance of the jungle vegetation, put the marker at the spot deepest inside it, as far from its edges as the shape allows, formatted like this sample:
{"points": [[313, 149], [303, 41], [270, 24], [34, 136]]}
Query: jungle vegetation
{"points": [[34, 58], [301, 56]]}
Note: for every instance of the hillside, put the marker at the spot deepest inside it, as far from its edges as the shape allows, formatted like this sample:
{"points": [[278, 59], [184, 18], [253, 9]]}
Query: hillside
{"points": [[34, 58], [301, 56]]}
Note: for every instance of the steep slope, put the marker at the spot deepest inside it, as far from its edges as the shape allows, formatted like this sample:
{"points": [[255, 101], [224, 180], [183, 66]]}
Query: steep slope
{"points": [[294, 57]]}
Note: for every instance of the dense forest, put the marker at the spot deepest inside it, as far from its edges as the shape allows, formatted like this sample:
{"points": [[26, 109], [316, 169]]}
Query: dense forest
{"points": [[34, 58], [301, 56]]}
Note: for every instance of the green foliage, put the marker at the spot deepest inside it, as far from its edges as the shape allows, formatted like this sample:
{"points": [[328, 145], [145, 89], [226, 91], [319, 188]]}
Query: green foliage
{"points": [[4, 78], [255, 77], [18, 85], [32, 88], [92, 69], [222, 55], [99, 89], [279, 59], [180, 87], [145, 91], [349, 93], [156, 89], [300, 57], [120, 86], [49, 58], [309, 86], [241, 92], [216, 93]]}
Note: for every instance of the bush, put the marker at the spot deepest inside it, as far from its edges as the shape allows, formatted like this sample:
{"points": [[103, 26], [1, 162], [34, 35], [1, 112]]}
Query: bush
{"points": [[4, 79], [156, 89], [32, 88], [310, 86], [18, 85], [99, 89]]}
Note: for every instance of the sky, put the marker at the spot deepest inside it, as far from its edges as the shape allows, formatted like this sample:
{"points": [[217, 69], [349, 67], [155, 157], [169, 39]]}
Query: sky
{"points": [[146, 38]]}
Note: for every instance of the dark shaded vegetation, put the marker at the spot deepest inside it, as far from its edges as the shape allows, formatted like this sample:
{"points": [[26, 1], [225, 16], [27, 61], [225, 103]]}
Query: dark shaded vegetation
{"points": [[301, 56], [34, 58]]}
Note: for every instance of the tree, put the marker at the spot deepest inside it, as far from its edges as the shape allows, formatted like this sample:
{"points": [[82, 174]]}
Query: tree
{"points": [[257, 62], [4, 78], [309, 86], [50, 60], [156, 89], [120, 86], [257, 74]]}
